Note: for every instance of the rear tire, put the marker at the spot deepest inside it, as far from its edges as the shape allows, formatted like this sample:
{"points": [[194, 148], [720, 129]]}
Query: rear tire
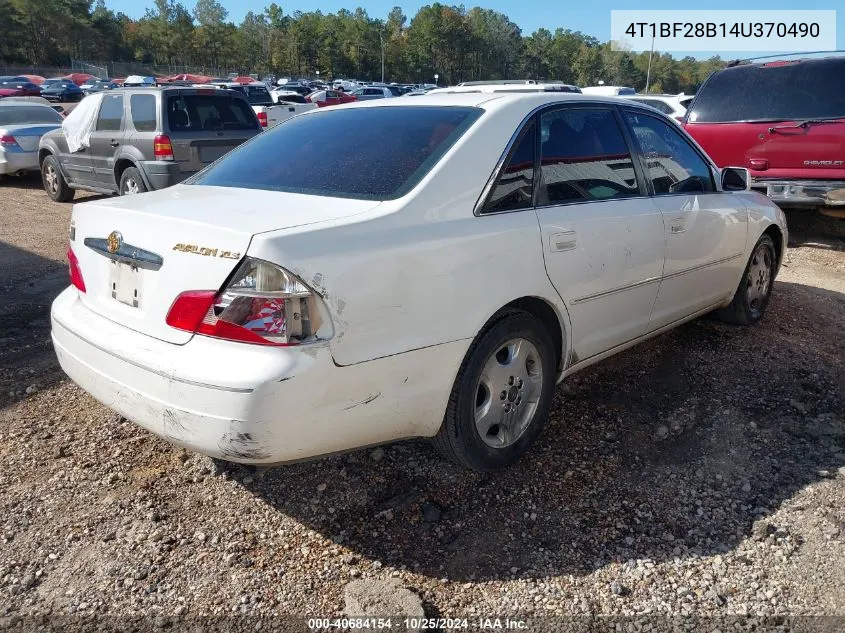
{"points": [[755, 288], [54, 182], [131, 182], [502, 394]]}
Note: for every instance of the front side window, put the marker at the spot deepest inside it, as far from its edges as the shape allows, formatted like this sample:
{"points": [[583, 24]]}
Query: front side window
{"points": [[583, 157], [515, 185], [671, 163], [362, 153], [111, 113]]}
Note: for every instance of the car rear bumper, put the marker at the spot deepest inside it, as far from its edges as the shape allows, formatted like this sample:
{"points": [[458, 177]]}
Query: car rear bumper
{"points": [[802, 193], [161, 174], [249, 403], [18, 160]]}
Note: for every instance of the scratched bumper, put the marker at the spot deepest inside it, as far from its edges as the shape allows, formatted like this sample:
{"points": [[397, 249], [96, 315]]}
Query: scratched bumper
{"points": [[247, 403]]}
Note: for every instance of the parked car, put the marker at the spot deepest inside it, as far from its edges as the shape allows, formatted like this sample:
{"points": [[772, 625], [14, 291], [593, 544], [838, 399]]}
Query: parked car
{"points": [[52, 80], [785, 121], [22, 124], [668, 104], [295, 86], [608, 91], [62, 91], [325, 98], [19, 89], [35, 100], [145, 139], [287, 96], [259, 312], [368, 93], [136, 81], [98, 85], [7, 78], [269, 112]]}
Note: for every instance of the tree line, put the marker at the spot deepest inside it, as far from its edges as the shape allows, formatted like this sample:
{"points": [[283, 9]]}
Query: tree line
{"points": [[455, 43]]}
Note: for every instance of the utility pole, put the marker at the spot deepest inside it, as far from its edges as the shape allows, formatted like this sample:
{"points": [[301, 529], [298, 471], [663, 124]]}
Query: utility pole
{"points": [[381, 39], [648, 74]]}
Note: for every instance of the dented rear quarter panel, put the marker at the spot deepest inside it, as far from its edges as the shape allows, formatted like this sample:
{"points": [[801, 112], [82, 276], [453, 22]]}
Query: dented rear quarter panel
{"points": [[421, 270]]}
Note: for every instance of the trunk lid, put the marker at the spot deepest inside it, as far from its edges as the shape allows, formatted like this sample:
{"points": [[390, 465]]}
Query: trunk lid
{"points": [[27, 136], [182, 238]]}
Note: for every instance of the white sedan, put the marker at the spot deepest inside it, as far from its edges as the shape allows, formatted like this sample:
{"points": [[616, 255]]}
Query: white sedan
{"points": [[425, 267]]}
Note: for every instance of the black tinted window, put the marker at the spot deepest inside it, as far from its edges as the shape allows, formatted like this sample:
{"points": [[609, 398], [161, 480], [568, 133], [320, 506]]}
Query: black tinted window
{"points": [[777, 91], [16, 115], [365, 153], [258, 95], [515, 186], [196, 112], [111, 113], [671, 162], [143, 110], [584, 157]]}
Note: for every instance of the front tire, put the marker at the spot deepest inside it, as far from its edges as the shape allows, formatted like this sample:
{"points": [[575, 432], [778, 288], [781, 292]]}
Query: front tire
{"points": [[755, 288], [131, 182], [502, 395], [54, 182]]}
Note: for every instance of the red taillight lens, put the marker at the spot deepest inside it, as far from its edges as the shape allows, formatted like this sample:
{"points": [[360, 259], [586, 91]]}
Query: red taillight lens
{"points": [[75, 272], [189, 309], [262, 119], [263, 304], [7, 140], [162, 148]]}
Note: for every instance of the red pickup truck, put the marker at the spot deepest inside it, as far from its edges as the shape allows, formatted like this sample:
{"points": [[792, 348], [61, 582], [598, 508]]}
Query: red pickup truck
{"points": [[784, 121]]}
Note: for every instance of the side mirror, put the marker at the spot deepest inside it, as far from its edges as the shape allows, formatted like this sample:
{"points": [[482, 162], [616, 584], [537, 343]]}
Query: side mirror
{"points": [[736, 179]]}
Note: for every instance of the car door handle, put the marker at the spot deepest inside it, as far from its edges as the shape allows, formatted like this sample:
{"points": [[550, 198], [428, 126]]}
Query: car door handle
{"points": [[678, 225], [564, 241], [114, 143]]}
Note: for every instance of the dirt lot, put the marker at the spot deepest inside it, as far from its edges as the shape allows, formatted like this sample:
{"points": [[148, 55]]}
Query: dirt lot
{"points": [[700, 473]]}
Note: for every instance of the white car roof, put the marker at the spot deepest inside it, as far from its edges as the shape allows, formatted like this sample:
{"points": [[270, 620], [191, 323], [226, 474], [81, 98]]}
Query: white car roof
{"points": [[500, 88], [488, 100]]}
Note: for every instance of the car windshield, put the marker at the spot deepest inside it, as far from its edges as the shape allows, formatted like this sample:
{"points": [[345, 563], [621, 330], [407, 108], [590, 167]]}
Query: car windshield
{"points": [[362, 153], [21, 115], [810, 89]]}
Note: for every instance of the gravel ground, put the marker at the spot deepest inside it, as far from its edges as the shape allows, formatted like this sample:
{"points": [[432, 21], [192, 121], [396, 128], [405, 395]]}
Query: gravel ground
{"points": [[702, 473]]}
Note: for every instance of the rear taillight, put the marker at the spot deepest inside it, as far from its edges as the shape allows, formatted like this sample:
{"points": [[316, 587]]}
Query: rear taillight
{"points": [[262, 304], [262, 119], [75, 272], [162, 148], [7, 140]]}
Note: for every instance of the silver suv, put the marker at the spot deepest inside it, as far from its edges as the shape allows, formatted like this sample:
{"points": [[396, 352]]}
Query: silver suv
{"points": [[146, 139]]}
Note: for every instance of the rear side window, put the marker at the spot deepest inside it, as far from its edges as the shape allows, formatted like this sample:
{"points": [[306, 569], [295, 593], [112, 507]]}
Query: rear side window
{"points": [[111, 113], [143, 111], [773, 92], [515, 186], [17, 115], [209, 112], [584, 157], [363, 153], [672, 165]]}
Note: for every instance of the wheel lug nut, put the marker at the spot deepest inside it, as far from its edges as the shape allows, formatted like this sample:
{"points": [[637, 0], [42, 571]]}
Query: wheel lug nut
{"points": [[503, 395], [510, 380]]}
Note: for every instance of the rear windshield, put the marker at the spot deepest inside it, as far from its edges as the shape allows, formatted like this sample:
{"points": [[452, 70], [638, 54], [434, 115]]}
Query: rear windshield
{"points": [[17, 115], [196, 112], [258, 95], [784, 92], [363, 153]]}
